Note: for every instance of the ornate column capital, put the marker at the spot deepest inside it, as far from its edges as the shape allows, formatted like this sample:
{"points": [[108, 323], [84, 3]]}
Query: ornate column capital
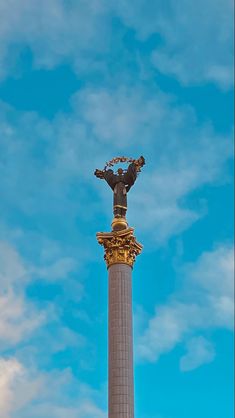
{"points": [[119, 246]]}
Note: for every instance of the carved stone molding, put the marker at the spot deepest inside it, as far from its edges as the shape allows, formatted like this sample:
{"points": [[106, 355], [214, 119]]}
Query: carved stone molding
{"points": [[119, 246]]}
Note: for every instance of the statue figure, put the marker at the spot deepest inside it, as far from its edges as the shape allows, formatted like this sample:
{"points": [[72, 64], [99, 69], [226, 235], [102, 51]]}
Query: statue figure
{"points": [[121, 182]]}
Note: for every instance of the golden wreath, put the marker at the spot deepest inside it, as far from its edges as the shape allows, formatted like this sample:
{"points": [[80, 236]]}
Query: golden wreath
{"points": [[139, 163], [117, 160]]}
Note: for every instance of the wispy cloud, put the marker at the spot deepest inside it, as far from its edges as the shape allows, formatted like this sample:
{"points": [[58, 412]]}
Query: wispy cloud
{"points": [[24, 328], [19, 318], [188, 30], [17, 387], [81, 34], [199, 351], [205, 302], [57, 270], [55, 33], [26, 392]]}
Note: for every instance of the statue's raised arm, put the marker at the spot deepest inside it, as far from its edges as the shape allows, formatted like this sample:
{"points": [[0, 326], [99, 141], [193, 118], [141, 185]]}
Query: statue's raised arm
{"points": [[133, 169], [99, 173]]}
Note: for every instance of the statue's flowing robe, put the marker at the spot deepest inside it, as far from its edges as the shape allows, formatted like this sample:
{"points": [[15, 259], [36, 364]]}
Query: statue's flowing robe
{"points": [[121, 184]]}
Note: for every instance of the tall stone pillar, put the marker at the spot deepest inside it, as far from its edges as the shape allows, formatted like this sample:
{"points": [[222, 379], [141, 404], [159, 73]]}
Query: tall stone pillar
{"points": [[121, 248]]}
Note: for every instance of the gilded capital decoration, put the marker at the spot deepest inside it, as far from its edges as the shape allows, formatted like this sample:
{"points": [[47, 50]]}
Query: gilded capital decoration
{"points": [[120, 246]]}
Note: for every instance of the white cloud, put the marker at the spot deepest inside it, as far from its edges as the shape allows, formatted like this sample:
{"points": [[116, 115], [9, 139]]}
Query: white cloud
{"points": [[205, 302], [16, 386], [8, 371], [55, 32], [12, 270], [81, 33], [213, 273], [24, 328], [18, 316], [166, 329], [57, 270], [25, 393], [199, 351], [87, 409], [115, 115], [196, 37]]}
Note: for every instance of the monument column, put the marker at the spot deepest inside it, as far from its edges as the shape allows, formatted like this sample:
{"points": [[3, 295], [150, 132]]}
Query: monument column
{"points": [[121, 248]]}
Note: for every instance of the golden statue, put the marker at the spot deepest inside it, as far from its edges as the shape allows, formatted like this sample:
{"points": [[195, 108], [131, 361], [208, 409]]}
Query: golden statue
{"points": [[120, 182]]}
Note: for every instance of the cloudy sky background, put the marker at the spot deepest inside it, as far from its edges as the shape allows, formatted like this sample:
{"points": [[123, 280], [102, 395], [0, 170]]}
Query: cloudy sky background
{"points": [[80, 83]]}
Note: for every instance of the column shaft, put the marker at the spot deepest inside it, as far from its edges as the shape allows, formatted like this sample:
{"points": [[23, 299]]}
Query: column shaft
{"points": [[121, 386]]}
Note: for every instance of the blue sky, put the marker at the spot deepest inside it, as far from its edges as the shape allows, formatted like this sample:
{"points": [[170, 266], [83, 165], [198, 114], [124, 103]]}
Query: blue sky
{"points": [[80, 83]]}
